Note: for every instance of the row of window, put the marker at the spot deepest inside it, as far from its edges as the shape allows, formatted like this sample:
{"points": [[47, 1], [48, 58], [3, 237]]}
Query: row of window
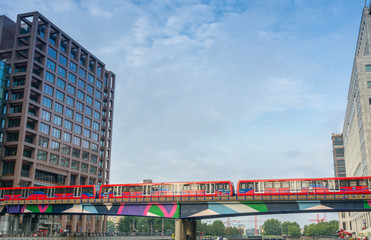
{"points": [[63, 161]]}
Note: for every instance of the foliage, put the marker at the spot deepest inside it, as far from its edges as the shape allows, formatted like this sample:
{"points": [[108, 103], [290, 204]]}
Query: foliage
{"points": [[272, 227], [217, 228], [110, 226], [285, 227], [145, 224], [294, 231], [321, 229]]}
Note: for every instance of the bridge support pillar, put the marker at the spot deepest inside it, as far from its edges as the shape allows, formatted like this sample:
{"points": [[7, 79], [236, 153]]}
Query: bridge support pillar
{"points": [[185, 229], [4, 223]]}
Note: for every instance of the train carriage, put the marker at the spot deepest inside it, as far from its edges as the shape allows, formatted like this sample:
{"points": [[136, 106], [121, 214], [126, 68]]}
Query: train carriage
{"points": [[52, 192], [177, 189], [304, 186]]}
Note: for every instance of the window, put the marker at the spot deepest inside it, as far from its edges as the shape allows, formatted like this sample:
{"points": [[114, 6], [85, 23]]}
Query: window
{"points": [[45, 115], [97, 104], [44, 128], [15, 109], [75, 152], [50, 64], [87, 121], [80, 95], [72, 78], [96, 126], [42, 155], [54, 159], [68, 113], [90, 89], [94, 147], [79, 106], [61, 83], [76, 140], [88, 110], [66, 149], [58, 107], [93, 170], [67, 137], [85, 144], [84, 167], [81, 83], [65, 162], [94, 158], [87, 133], [82, 73], [49, 77], [57, 120], [67, 124], [89, 100], [70, 101], [98, 94], [55, 146], [368, 68], [98, 84], [77, 129], [48, 90], [63, 60], [47, 102], [52, 53], [75, 165], [71, 89], [85, 156], [78, 117], [62, 72], [43, 142], [95, 136], [96, 115], [56, 132], [91, 79], [59, 95], [73, 66]]}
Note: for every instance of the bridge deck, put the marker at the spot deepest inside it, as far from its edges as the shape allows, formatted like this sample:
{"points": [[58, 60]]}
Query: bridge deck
{"points": [[195, 199]]}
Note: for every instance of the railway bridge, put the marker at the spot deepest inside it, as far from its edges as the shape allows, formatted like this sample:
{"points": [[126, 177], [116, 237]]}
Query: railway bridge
{"points": [[186, 210]]}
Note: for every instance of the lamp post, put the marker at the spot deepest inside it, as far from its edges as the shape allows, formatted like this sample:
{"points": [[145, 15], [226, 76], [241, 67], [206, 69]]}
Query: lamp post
{"points": [[142, 229]]}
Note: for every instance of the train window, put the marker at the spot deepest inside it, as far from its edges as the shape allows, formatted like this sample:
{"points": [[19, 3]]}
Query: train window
{"points": [[285, 184], [269, 185], [155, 188], [186, 187], [353, 183], [243, 185], [131, 189], [304, 184], [344, 183], [1, 193], [277, 185], [227, 187], [362, 182], [60, 190], [124, 189], [202, 186], [138, 188]]}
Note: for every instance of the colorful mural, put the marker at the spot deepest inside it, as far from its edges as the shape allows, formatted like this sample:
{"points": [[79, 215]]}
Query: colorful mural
{"points": [[191, 210]]}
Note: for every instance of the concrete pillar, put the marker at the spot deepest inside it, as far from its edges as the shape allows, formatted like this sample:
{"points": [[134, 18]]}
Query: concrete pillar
{"points": [[92, 223], [74, 223], [16, 223], [63, 222], [83, 224], [100, 224], [4, 223], [26, 223], [185, 229]]}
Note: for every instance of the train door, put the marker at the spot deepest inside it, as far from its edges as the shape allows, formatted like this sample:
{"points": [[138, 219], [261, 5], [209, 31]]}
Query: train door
{"points": [[51, 192], [77, 192], [259, 187], [210, 188], [294, 186], [1, 193], [24, 193], [333, 186], [146, 190], [117, 192]]}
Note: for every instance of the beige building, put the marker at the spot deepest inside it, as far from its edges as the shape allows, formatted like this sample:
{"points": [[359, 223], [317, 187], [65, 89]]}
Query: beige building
{"points": [[357, 122]]}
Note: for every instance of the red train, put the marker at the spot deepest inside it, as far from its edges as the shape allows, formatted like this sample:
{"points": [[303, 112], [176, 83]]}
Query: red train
{"points": [[302, 186]]}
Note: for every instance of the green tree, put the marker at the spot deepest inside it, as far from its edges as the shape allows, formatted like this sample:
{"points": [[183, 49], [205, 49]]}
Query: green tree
{"points": [[218, 227], [272, 227], [111, 227], [294, 231], [126, 224], [321, 229], [285, 226]]}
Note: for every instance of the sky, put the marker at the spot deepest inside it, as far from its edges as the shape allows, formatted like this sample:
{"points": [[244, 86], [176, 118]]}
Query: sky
{"points": [[217, 90]]}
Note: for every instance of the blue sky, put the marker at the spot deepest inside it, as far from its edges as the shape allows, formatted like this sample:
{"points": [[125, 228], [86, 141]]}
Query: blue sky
{"points": [[211, 90]]}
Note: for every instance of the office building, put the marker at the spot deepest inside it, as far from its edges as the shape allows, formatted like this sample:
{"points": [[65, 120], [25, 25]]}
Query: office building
{"points": [[338, 155], [357, 122], [58, 111]]}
